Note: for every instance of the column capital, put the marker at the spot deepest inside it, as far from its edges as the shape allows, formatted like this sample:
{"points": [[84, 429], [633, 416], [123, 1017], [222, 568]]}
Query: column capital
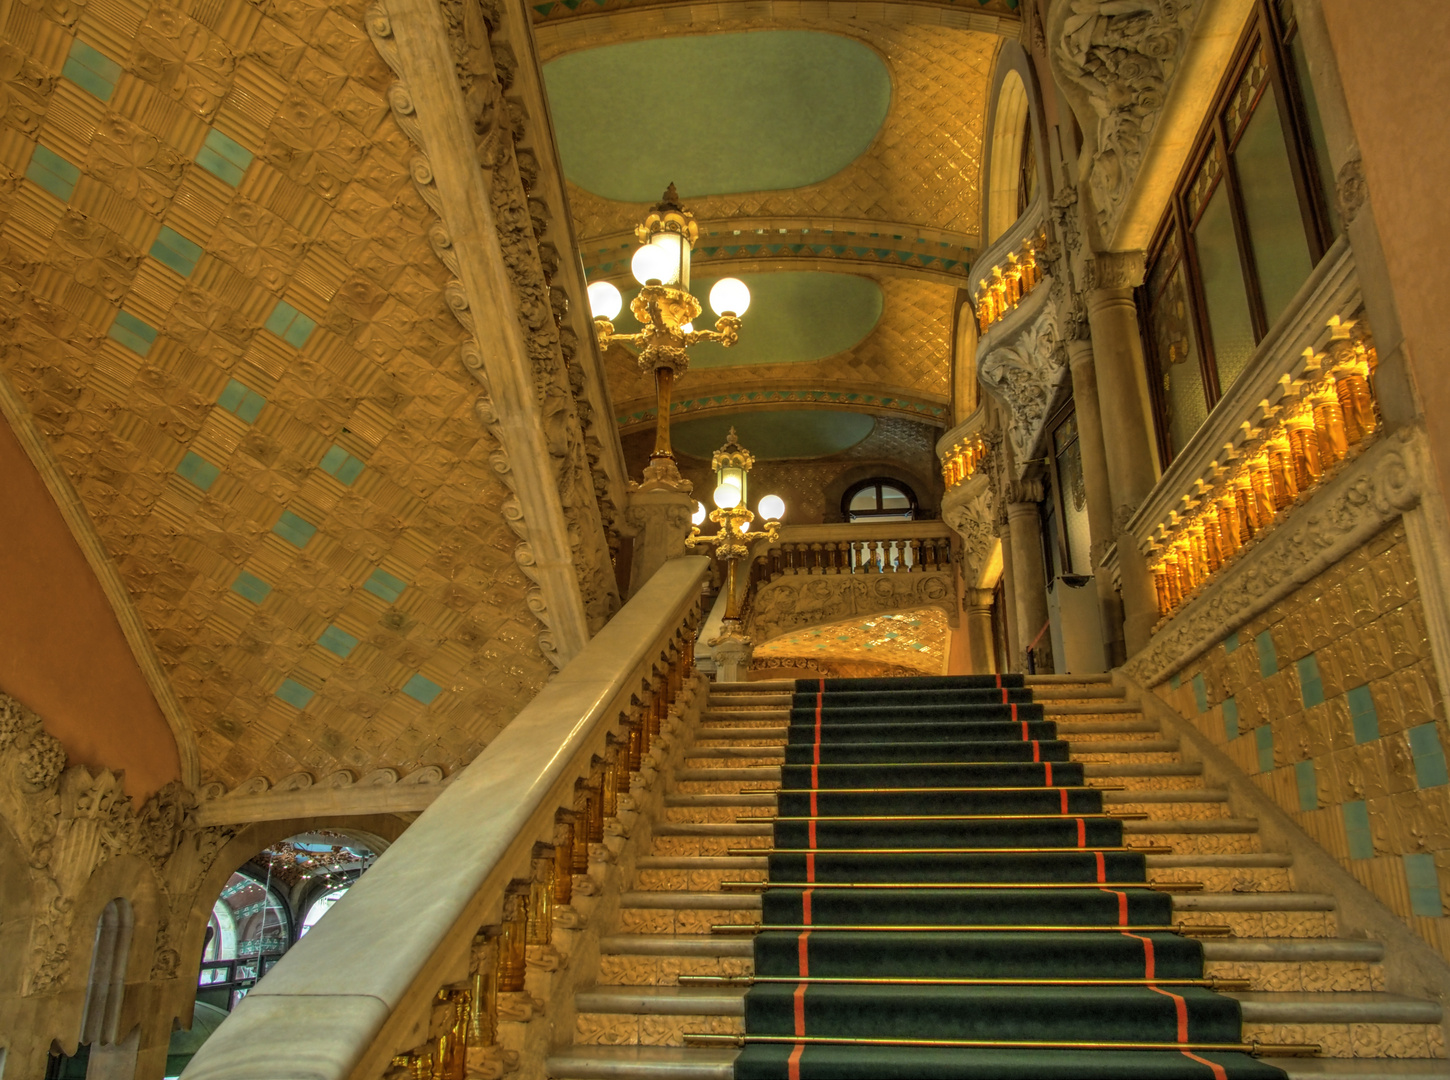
{"points": [[1118, 269], [1079, 354]]}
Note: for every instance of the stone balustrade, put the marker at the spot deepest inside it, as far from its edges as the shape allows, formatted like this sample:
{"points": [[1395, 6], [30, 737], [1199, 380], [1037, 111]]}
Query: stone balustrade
{"points": [[1015, 270], [962, 450], [437, 960]]}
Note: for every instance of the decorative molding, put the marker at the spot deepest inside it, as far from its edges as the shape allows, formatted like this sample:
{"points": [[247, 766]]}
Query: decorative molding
{"points": [[382, 791], [1119, 59], [1350, 189], [792, 601], [476, 176], [1117, 269], [970, 509], [1023, 363], [864, 402], [84, 530], [1378, 486]]}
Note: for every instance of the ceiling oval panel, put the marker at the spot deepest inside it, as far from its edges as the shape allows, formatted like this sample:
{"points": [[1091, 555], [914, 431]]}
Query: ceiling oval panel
{"points": [[793, 317], [715, 114], [774, 435]]}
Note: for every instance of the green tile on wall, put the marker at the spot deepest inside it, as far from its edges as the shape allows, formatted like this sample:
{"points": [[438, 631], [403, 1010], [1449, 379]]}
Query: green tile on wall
{"points": [[337, 641], [242, 401], [1308, 785], [252, 587], [1264, 746], [224, 158], [53, 173], [1231, 642], [290, 325], [173, 250], [1424, 885], [1362, 714], [132, 333], [422, 689], [1268, 658], [294, 529], [383, 584], [1200, 693], [339, 463], [94, 72], [1311, 686], [295, 694], [1356, 829], [1230, 718], [198, 470], [1175, 681], [1429, 756]]}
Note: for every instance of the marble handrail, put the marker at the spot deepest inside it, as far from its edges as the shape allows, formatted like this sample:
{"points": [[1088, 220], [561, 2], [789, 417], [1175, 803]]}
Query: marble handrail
{"points": [[358, 988]]}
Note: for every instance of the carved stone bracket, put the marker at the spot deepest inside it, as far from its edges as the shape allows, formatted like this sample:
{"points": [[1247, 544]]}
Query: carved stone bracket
{"points": [[456, 65], [970, 508], [1023, 363], [1378, 486]]}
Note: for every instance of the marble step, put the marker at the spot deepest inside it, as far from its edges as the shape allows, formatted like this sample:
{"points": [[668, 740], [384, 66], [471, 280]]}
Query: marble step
{"points": [[764, 828], [768, 798], [670, 899], [1144, 746], [680, 1063], [1066, 729], [768, 773], [1256, 860], [764, 707], [1031, 680], [691, 945]]}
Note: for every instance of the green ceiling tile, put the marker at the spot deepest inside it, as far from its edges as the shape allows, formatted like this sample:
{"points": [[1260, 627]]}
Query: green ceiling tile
{"points": [[94, 72], [1230, 718], [242, 401], [338, 641], [198, 470], [1362, 715], [290, 325], [1424, 882], [1356, 829], [383, 584], [1268, 657], [53, 172], [1200, 693], [132, 333], [1231, 642], [1308, 785], [1264, 745], [339, 463], [1429, 756], [176, 251], [251, 587], [293, 529], [224, 158], [295, 694], [422, 689], [1311, 686]]}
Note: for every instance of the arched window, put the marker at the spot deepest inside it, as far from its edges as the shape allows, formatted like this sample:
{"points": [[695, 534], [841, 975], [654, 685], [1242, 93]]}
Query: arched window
{"points": [[1010, 130], [107, 985], [879, 498], [320, 907]]}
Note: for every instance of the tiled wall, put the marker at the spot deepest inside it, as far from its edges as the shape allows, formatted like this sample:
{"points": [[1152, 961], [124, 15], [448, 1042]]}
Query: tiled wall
{"points": [[1330, 702]]}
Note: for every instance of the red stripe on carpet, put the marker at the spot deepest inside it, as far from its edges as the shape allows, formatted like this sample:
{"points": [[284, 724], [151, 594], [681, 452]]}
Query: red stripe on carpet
{"points": [[1048, 781], [1150, 963], [1024, 724], [1219, 1073], [812, 829], [814, 811], [1064, 799], [806, 907], [1102, 866], [1037, 751], [811, 866], [1081, 833], [1122, 906], [999, 681], [1181, 1006], [1014, 717], [805, 956], [793, 1066], [800, 1008], [1004, 692]]}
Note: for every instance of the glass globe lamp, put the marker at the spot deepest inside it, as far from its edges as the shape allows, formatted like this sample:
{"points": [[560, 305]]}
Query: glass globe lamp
{"points": [[604, 300], [730, 296], [772, 508]]}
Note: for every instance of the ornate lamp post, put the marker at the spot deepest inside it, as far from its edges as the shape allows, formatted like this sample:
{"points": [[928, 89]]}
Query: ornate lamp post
{"points": [[732, 464], [667, 310]]}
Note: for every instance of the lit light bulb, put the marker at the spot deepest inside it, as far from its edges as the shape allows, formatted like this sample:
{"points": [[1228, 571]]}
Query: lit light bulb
{"points": [[651, 263], [745, 526], [604, 300], [698, 517], [772, 508], [688, 328], [727, 496], [730, 296]]}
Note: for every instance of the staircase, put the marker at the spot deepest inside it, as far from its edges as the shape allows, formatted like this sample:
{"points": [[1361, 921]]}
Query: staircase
{"points": [[1189, 874]]}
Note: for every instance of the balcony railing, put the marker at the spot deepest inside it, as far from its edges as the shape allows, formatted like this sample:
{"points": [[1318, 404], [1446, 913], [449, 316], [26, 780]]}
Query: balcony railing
{"points": [[1015, 270], [884, 547], [962, 449]]}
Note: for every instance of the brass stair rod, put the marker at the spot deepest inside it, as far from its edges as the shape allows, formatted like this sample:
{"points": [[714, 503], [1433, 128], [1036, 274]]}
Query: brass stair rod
{"points": [[1185, 929], [1159, 886], [924, 790], [948, 851], [1260, 1049], [1104, 816], [1210, 982]]}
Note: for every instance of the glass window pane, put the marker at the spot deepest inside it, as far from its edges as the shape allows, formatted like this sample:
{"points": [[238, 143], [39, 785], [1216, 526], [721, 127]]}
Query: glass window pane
{"points": [[865, 499], [1271, 206], [1316, 132], [1176, 350], [1074, 508], [892, 499], [1230, 326]]}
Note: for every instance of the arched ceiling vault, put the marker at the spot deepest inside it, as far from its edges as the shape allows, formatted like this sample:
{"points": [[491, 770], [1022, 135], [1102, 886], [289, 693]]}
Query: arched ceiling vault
{"points": [[905, 213]]}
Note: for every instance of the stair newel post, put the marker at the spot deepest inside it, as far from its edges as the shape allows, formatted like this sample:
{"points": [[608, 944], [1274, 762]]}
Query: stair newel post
{"points": [[483, 993], [513, 938], [635, 737], [817, 563]]}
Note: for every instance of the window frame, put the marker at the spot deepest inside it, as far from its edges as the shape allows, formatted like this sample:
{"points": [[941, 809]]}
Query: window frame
{"points": [[880, 513], [1264, 25]]}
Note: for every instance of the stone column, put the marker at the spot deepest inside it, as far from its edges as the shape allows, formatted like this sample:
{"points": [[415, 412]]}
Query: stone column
{"points": [[1132, 459], [1009, 596], [977, 621], [659, 513], [1099, 492], [1030, 582]]}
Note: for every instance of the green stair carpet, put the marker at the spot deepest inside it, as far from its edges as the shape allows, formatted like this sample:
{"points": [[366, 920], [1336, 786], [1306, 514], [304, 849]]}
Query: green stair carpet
{"points": [[927, 812]]}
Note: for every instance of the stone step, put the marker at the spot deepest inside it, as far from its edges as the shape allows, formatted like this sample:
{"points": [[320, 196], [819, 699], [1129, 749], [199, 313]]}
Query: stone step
{"points": [[693, 945], [1179, 795], [681, 1063], [1189, 826], [769, 773], [777, 752], [664, 899], [1293, 950], [1278, 1007]]}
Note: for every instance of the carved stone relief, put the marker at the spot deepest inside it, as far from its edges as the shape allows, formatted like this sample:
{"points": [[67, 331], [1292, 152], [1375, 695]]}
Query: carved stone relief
{"points": [[794, 601], [1025, 366]]}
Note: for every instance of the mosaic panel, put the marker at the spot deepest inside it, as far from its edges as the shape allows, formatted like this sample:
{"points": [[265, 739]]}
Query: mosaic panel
{"points": [[226, 319], [909, 639], [1331, 703]]}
